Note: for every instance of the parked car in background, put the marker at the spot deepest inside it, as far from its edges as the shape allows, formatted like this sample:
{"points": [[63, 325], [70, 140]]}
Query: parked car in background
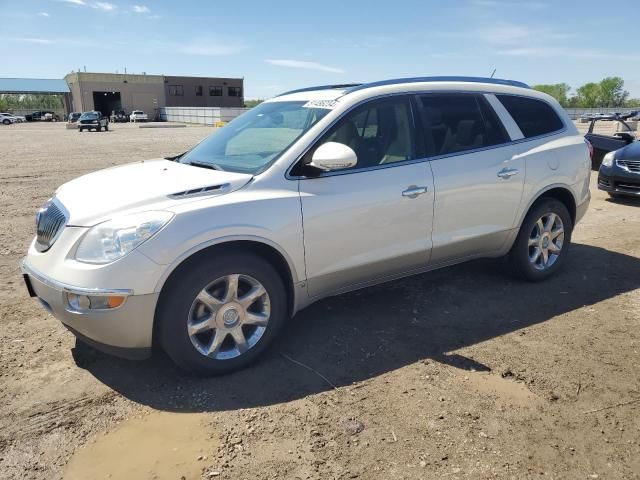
{"points": [[603, 144], [119, 116], [310, 194], [16, 118], [6, 119], [138, 116], [619, 173], [93, 121], [72, 119], [46, 115]]}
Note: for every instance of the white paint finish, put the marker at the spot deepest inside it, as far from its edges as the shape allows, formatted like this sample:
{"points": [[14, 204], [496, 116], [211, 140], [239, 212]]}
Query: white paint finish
{"points": [[473, 203], [359, 226], [137, 186]]}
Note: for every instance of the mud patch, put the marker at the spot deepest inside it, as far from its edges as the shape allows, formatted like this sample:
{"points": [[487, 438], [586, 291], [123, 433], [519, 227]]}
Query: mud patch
{"points": [[508, 391], [159, 445]]}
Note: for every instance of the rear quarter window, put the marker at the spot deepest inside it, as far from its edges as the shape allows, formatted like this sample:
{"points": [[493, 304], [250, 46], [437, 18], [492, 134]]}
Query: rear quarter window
{"points": [[534, 117]]}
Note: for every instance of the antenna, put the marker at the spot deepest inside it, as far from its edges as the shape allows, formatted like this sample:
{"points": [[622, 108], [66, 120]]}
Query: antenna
{"points": [[493, 73]]}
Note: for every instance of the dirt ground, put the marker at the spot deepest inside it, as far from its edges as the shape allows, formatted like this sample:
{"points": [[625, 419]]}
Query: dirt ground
{"points": [[459, 373]]}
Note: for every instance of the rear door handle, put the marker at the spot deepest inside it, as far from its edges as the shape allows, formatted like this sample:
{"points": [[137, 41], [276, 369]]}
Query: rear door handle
{"points": [[413, 191], [507, 173]]}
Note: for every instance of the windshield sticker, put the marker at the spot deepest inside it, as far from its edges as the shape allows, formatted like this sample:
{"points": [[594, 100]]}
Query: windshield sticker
{"points": [[328, 104]]}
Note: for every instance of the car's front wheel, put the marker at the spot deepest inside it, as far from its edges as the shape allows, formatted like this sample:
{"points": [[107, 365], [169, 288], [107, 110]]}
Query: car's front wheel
{"points": [[219, 314], [543, 241], [6, 122]]}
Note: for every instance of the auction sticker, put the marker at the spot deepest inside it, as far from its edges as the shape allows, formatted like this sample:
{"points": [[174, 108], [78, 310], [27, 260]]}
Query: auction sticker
{"points": [[328, 104]]}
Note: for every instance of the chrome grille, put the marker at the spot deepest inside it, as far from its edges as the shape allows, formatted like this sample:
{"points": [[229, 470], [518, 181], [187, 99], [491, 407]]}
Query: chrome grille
{"points": [[630, 165], [50, 221]]}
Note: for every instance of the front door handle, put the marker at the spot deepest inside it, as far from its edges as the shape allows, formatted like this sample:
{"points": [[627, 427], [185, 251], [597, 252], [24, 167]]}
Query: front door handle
{"points": [[413, 191], [507, 173]]}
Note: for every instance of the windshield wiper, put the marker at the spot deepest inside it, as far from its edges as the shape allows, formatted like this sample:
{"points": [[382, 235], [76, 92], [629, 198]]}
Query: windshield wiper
{"points": [[211, 166]]}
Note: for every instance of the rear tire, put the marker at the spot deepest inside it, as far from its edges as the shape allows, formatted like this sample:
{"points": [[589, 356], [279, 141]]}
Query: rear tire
{"points": [[201, 336], [6, 122], [98, 129], [543, 241], [80, 130]]}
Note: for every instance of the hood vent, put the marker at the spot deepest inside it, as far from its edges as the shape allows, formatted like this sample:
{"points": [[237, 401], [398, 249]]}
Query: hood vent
{"points": [[195, 192]]}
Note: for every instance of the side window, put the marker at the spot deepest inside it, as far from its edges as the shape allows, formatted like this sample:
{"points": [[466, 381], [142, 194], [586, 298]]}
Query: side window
{"points": [[534, 117], [455, 122], [380, 132]]}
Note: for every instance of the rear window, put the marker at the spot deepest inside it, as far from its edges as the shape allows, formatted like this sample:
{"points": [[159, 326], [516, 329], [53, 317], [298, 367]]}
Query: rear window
{"points": [[455, 122], [534, 117]]}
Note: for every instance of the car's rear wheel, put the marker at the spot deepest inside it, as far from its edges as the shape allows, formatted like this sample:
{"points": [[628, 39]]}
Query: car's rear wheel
{"points": [[98, 128], [219, 314], [6, 122], [543, 241], [80, 130]]}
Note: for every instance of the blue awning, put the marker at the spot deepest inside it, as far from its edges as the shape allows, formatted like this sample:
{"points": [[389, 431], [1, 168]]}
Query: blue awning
{"points": [[33, 85]]}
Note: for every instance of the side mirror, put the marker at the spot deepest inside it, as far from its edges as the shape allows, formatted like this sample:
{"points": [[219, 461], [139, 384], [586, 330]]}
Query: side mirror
{"points": [[333, 156], [626, 136]]}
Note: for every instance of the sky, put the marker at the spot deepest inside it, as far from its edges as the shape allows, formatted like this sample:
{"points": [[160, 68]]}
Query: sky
{"points": [[280, 45]]}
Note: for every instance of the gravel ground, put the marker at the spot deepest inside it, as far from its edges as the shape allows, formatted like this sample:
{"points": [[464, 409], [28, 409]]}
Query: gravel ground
{"points": [[460, 373]]}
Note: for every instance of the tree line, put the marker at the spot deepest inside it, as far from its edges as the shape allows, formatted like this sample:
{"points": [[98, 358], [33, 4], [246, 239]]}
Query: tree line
{"points": [[30, 102], [607, 93]]}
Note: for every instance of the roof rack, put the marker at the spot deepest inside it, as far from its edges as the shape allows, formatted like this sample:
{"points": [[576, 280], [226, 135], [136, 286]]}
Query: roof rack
{"points": [[398, 81], [320, 87]]}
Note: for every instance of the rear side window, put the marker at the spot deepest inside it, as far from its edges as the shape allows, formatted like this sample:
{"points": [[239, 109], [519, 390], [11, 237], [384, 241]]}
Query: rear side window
{"points": [[455, 122], [534, 117]]}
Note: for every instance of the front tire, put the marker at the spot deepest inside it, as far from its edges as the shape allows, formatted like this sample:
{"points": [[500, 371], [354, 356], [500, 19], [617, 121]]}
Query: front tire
{"points": [[543, 241], [6, 122], [219, 314]]}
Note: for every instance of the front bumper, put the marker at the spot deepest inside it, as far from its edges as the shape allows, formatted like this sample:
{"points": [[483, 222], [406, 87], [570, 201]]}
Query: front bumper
{"points": [[125, 331], [617, 180]]}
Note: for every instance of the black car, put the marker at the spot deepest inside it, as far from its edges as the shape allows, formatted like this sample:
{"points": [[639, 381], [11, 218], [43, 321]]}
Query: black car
{"points": [[603, 144], [93, 121], [619, 174], [119, 116], [45, 115]]}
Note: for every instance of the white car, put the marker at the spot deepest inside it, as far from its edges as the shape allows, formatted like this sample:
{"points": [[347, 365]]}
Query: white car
{"points": [[312, 193], [16, 118], [138, 116], [7, 119]]}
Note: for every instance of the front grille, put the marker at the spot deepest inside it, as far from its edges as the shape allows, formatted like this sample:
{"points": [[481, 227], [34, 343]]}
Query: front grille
{"points": [[634, 187], [630, 165], [50, 221]]}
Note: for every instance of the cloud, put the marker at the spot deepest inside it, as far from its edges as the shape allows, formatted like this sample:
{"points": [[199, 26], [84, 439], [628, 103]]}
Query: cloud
{"points": [[507, 4], [40, 41], [104, 6], [43, 14], [74, 2], [552, 51], [141, 9], [303, 65]]}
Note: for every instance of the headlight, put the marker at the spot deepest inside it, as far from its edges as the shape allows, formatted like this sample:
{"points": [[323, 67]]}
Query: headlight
{"points": [[607, 161], [113, 239]]}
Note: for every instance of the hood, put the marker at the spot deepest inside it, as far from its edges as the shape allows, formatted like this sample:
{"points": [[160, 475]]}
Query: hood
{"points": [[159, 184], [630, 152]]}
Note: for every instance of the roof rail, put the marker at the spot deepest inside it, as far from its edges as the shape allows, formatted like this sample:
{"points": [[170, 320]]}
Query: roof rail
{"points": [[320, 87], [398, 81]]}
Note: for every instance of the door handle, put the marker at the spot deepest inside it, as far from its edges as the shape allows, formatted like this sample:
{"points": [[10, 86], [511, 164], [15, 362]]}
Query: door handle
{"points": [[507, 173], [413, 191]]}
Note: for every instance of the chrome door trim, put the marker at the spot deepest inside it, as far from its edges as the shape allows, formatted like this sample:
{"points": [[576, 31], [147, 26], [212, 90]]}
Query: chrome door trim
{"points": [[311, 144]]}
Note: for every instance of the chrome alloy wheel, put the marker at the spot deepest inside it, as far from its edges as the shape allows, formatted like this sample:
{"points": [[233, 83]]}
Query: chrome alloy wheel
{"points": [[545, 241], [228, 316]]}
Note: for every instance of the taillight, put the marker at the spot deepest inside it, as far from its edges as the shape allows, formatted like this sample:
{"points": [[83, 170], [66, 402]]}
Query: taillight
{"points": [[590, 148]]}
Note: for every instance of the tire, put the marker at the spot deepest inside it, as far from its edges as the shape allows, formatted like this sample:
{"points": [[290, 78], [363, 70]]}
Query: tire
{"points": [[106, 127], [522, 254], [98, 128], [80, 130], [180, 306], [6, 122]]}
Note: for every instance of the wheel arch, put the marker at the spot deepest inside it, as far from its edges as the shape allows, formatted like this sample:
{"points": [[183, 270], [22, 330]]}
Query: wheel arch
{"points": [[258, 246], [560, 192]]}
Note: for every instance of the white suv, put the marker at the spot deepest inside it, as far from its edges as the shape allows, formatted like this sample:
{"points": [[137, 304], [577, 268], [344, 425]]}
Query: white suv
{"points": [[312, 193], [138, 116]]}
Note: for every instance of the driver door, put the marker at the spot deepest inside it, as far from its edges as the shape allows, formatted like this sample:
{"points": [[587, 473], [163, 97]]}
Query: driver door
{"points": [[372, 221]]}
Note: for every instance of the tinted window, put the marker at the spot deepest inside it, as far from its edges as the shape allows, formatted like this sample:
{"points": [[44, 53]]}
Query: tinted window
{"points": [[235, 91], [198, 90], [459, 122], [380, 132], [176, 90], [534, 117], [215, 91]]}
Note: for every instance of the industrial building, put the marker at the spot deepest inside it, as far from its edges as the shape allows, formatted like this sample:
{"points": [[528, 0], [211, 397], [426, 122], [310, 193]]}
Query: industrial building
{"points": [[108, 92]]}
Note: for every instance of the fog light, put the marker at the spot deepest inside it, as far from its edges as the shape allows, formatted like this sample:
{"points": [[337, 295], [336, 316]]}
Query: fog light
{"points": [[94, 302]]}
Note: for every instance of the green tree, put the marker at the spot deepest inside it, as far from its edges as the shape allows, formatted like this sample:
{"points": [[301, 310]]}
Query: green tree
{"points": [[589, 95], [612, 92], [559, 91], [253, 103], [632, 103]]}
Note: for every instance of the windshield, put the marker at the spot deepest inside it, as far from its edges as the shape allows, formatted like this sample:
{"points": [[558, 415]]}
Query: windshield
{"points": [[138, 112], [88, 116], [254, 140]]}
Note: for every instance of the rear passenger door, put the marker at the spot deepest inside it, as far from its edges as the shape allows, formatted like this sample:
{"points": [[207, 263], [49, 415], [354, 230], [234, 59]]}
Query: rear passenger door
{"points": [[477, 174]]}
